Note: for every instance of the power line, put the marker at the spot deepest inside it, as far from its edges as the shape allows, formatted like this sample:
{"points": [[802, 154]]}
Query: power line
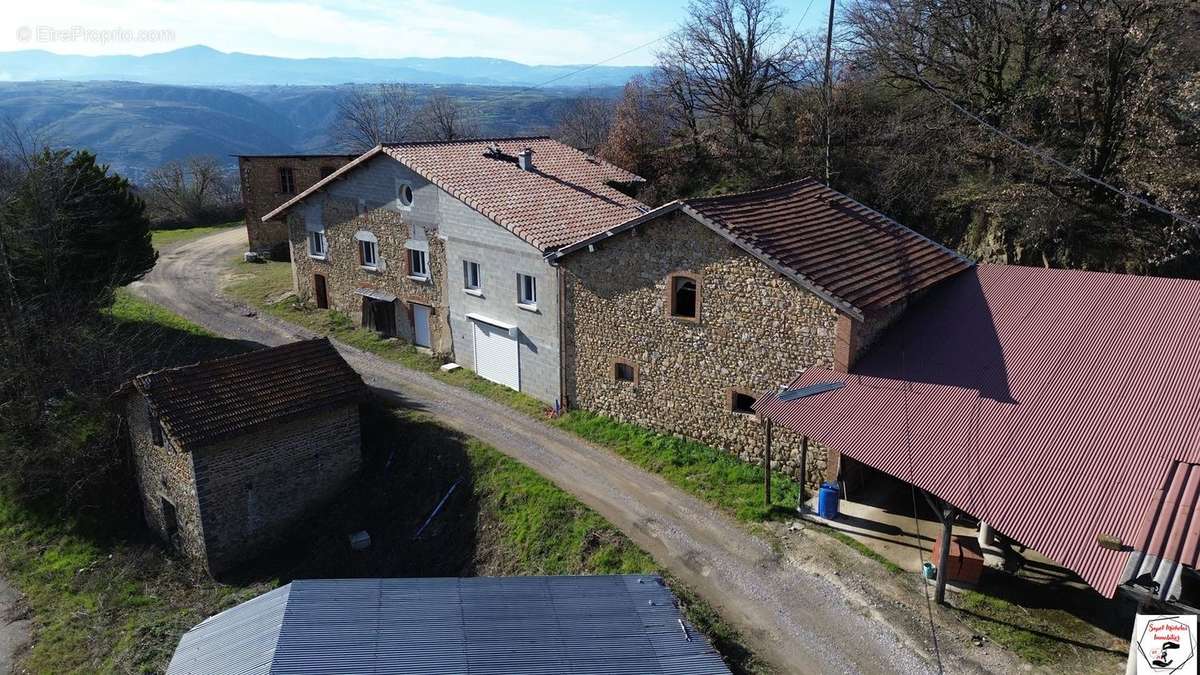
{"points": [[599, 63], [1051, 159]]}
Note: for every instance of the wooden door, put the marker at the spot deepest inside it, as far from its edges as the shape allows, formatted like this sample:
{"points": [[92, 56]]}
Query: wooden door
{"points": [[322, 295]]}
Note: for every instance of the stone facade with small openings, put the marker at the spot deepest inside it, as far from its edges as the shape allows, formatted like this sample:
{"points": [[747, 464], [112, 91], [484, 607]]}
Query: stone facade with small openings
{"points": [[755, 330], [232, 456], [166, 480], [237, 498], [264, 189]]}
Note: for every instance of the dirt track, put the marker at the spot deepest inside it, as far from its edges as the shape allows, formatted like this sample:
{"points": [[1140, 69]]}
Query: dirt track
{"points": [[796, 613]]}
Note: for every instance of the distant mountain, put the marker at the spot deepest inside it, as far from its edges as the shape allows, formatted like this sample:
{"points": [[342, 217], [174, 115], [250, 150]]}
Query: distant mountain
{"points": [[201, 65], [135, 127]]}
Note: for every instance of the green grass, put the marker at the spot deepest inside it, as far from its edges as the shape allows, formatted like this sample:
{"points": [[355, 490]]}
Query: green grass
{"points": [[713, 475], [1003, 623], [131, 309], [105, 598], [163, 238], [102, 606]]}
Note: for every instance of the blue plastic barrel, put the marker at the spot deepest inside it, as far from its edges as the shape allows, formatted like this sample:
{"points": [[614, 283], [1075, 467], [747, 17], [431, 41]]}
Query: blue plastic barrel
{"points": [[827, 500]]}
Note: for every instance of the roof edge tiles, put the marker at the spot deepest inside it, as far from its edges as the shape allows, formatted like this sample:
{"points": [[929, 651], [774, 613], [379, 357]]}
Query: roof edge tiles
{"points": [[206, 402], [769, 204], [572, 178]]}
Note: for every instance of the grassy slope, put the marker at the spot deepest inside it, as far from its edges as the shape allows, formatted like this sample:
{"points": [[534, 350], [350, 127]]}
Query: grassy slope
{"points": [[117, 603], [163, 238]]}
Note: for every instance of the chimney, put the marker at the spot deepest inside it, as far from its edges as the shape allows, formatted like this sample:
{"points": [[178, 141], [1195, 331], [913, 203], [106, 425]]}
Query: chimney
{"points": [[525, 159]]}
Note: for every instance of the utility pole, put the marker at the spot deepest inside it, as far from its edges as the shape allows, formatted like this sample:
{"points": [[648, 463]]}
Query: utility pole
{"points": [[828, 89]]}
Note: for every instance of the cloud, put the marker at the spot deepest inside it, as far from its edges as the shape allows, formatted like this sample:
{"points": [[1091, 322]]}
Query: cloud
{"points": [[564, 33]]}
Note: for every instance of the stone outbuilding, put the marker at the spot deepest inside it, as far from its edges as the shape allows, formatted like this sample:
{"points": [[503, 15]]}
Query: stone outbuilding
{"points": [[270, 180], [232, 454], [678, 320]]}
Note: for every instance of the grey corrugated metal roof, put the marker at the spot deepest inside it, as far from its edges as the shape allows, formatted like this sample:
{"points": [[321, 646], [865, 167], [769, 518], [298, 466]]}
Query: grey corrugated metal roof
{"points": [[238, 641], [483, 626]]}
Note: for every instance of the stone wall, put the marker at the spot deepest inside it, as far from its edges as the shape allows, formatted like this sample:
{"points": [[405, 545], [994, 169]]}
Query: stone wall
{"points": [[261, 192], [344, 275], [756, 330], [165, 471], [255, 489]]}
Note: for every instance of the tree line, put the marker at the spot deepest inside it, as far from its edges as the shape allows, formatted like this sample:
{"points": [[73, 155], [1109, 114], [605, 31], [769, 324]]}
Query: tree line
{"points": [[1110, 88]]}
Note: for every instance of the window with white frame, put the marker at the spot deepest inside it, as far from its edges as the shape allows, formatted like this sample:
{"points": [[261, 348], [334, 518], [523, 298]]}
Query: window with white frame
{"points": [[418, 263], [316, 244], [368, 249], [526, 290], [472, 280], [318, 247]]}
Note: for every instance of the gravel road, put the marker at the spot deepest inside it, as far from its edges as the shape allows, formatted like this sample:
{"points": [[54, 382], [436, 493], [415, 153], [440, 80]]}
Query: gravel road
{"points": [[15, 627], [796, 619]]}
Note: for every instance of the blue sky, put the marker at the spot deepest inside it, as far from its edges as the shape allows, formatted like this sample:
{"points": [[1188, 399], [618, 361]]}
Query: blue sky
{"points": [[554, 32]]}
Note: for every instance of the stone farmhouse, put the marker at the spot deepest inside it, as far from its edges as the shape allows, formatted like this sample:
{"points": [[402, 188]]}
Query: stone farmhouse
{"points": [[721, 299], [232, 454], [270, 180], [445, 243]]}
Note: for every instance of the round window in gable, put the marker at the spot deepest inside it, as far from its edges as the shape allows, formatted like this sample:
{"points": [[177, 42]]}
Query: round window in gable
{"points": [[406, 195]]}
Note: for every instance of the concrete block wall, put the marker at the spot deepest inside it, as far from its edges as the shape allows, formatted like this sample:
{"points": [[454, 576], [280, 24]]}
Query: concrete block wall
{"points": [[501, 256]]}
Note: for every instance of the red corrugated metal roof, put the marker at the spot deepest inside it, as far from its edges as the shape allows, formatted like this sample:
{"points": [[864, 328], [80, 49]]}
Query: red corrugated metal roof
{"points": [[1050, 403]]}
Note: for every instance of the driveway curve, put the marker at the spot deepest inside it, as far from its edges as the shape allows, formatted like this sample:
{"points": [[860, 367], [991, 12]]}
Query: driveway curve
{"points": [[798, 620]]}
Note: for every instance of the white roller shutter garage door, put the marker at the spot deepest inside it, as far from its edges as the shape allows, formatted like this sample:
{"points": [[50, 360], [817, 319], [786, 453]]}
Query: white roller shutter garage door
{"points": [[496, 356]]}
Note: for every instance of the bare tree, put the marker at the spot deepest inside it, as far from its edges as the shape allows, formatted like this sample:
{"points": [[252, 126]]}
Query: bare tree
{"points": [[586, 123], [728, 60], [370, 115], [195, 191], [640, 130], [443, 118]]}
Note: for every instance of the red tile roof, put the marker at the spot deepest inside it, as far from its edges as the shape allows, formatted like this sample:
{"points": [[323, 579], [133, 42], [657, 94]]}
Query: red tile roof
{"points": [[1050, 403], [854, 257], [214, 400], [565, 198], [853, 252]]}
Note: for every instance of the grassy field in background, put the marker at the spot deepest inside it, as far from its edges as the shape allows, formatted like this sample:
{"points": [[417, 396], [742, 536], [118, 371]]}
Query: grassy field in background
{"points": [[162, 238]]}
